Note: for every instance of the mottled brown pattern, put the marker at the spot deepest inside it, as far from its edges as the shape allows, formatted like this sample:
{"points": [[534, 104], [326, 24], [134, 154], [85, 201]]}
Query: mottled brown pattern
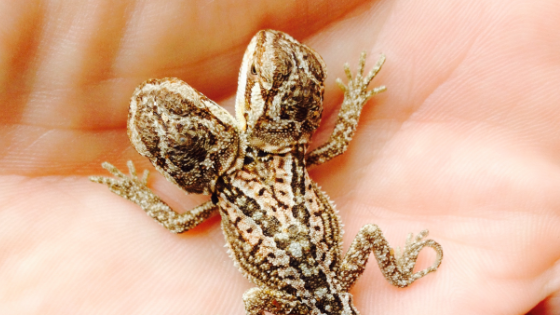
{"points": [[282, 231]]}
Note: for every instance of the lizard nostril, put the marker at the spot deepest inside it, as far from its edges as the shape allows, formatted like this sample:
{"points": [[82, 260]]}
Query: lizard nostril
{"points": [[253, 69]]}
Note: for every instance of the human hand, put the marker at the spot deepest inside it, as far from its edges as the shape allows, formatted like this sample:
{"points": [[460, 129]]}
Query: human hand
{"points": [[464, 142]]}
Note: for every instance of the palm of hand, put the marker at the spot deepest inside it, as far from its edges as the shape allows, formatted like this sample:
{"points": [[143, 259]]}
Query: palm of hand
{"points": [[458, 144]]}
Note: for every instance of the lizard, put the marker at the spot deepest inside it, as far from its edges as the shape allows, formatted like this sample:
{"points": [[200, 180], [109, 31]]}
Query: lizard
{"points": [[282, 231]]}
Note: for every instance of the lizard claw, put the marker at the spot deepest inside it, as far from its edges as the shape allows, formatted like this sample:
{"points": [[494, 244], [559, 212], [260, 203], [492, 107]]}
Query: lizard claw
{"points": [[357, 86], [122, 184]]}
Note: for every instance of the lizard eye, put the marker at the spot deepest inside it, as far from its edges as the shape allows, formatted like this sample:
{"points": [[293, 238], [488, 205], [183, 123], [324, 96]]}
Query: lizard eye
{"points": [[253, 69]]}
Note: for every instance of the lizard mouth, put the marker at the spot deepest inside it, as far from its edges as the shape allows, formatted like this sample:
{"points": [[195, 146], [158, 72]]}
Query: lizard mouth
{"points": [[240, 106]]}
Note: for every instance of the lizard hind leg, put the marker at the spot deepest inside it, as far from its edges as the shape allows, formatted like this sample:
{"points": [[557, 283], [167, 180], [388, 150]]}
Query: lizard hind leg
{"points": [[258, 300], [397, 267]]}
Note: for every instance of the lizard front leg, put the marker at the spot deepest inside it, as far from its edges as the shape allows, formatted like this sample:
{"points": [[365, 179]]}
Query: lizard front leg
{"points": [[396, 267], [135, 189], [355, 97]]}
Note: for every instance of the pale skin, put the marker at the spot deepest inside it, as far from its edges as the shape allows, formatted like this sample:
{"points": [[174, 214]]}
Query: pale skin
{"points": [[465, 142]]}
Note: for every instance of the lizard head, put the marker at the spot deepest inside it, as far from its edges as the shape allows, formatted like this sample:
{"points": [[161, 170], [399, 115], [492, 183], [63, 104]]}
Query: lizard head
{"points": [[188, 138], [280, 92]]}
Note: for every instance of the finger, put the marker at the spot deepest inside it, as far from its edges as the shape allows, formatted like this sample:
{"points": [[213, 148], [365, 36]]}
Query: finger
{"points": [[341, 85], [375, 70], [361, 64]]}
